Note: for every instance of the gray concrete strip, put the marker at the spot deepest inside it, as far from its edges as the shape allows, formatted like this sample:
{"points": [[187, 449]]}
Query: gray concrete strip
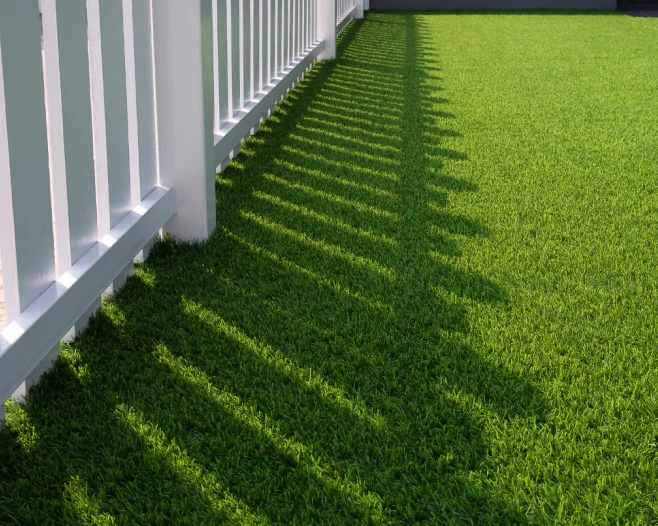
{"points": [[640, 9]]}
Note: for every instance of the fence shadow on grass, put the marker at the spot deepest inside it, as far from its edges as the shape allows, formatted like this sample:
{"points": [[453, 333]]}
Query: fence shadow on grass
{"points": [[310, 362]]}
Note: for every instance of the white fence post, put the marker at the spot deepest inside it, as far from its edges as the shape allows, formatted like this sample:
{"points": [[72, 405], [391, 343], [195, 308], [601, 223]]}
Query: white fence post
{"points": [[326, 11], [360, 6], [366, 5], [183, 49]]}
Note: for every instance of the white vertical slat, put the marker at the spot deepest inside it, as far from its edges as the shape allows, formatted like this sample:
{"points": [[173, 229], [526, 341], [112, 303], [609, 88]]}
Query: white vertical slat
{"points": [[288, 33], [229, 58], [291, 31], [304, 31], [98, 113], [266, 19], [257, 39], [296, 26], [274, 38], [314, 20], [236, 55], [222, 71], [69, 102], [300, 26], [55, 122], [293, 27], [116, 109], [68, 110], [264, 40], [215, 56], [131, 102], [283, 34], [224, 57], [246, 26], [26, 236], [307, 23], [145, 96]]}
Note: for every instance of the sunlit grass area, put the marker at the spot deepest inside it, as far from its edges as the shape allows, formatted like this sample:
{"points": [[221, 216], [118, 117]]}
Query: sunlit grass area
{"points": [[432, 297]]}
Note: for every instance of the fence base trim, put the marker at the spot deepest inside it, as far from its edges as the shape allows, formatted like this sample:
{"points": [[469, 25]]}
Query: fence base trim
{"points": [[27, 340]]}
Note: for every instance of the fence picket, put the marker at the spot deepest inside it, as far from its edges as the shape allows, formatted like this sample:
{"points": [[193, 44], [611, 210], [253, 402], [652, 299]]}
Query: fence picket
{"points": [[72, 65], [26, 236], [236, 56], [145, 96], [274, 38], [282, 35], [246, 59], [116, 109], [131, 102], [256, 33], [222, 40]]}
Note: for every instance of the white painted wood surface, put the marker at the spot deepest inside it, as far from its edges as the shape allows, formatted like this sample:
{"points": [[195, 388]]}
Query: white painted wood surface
{"points": [[183, 43], [116, 109], [236, 56], [26, 238], [222, 50], [256, 49], [246, 74], [360, 8], [273, 14], [70, 129], [145, 97], [326, 21]]}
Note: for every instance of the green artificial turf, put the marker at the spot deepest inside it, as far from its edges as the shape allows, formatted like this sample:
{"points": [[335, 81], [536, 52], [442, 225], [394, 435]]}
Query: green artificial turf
{"points": [[431, 297]]}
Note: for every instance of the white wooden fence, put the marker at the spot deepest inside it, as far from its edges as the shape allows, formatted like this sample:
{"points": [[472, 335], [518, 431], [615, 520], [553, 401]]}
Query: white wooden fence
{"points": [[345, 12], [114, 117]]}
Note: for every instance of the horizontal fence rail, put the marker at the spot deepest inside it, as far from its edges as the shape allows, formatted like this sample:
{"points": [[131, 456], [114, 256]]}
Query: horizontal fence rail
{"points": [[114, 118]]}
